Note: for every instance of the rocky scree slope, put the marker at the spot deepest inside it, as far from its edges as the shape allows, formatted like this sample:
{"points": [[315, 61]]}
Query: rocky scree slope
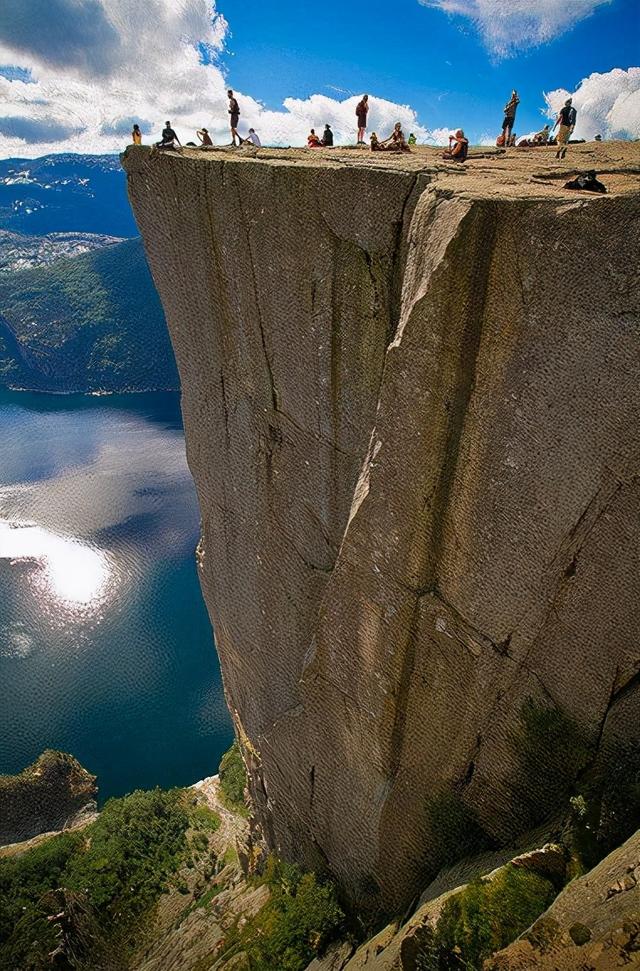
{"points": [[411, 407]]}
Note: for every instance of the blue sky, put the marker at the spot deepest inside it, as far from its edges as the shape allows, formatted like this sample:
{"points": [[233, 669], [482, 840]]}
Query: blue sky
{"points": [[75, 74], [415, 55]]}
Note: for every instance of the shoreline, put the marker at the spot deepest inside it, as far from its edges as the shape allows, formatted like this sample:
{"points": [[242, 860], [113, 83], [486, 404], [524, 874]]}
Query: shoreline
{"points": [[91, 394]]}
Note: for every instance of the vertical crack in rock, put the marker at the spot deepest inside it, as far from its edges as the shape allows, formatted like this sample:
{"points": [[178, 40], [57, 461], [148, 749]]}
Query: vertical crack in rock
{"points": [[445, 529]]}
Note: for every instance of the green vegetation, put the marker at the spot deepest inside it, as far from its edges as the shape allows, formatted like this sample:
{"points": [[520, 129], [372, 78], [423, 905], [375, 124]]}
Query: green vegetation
{"points": [[485, 917], [301, 917], [104, 878], [455, 830], [551, 751], [26, 883], [203, 818], [616, 792], [133, 846], [606, 810], [43, 796], [90, 323], [233, 779]]}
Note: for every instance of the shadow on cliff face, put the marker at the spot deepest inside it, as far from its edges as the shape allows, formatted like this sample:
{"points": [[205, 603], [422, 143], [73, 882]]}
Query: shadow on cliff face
{"points": [[588, 796]]}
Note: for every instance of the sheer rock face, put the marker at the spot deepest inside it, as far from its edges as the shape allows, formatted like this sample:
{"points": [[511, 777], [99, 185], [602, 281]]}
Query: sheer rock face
{"points": [[411, 404]]}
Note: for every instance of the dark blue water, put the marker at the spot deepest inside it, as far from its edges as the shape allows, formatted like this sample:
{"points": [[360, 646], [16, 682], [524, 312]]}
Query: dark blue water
{"points": [[106, 649]]}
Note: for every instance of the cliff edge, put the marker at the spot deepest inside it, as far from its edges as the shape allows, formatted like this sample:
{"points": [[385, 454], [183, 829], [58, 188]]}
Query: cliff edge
{"points": [[411, 403]]}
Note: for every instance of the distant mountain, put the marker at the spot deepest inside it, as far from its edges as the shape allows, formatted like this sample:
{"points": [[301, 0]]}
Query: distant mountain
{"points": [[21, 252], [65, 193], [90, 323]]}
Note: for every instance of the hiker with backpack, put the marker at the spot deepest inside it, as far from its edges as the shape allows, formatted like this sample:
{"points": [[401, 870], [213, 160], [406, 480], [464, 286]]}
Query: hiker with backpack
{"points": [[567, 121]]}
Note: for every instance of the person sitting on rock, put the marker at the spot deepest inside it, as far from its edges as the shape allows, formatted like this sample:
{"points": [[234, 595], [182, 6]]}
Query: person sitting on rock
{"points": [[374, 143], [205, 138], [412, 140], [396, 142], [312, 140], [169, 137], [586, 183], [252, 139], [541, 137], [458, 147], [327, 137]]}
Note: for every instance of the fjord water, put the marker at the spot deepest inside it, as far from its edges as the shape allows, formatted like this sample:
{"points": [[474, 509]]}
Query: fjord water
{"points": [[106, 649]]}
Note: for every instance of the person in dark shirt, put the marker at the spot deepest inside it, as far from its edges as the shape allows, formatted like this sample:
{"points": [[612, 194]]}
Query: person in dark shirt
{"points": [[586, 183], [510, 116], [327, 137], [169, 137], [362, 109], [234, 117], [567, 121], [458, 147]]}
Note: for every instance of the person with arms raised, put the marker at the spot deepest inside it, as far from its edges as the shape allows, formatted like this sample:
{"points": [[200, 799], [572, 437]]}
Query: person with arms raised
{"points": [[204, 136], [510, 117]]}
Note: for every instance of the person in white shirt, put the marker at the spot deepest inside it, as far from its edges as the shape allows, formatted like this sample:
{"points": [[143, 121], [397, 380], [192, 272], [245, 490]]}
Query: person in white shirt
{"points": [[253, 138]]}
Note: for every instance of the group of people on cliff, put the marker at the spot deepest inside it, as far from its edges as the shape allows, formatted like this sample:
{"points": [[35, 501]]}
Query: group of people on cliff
{"points": [[565, 123], [457, 150]]}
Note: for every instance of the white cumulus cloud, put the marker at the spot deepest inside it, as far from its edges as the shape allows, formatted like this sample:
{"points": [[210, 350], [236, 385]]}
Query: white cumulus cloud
{"points": [[92, 68], [507, 26], [607, 104]]}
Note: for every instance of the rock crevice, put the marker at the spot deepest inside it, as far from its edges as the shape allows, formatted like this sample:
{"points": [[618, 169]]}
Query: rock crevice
{"points": [[404, 394]]}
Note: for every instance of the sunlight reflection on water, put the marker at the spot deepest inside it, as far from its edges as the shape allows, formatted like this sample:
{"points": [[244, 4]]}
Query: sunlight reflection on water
{"points": [[106, 650], [69, 571]]}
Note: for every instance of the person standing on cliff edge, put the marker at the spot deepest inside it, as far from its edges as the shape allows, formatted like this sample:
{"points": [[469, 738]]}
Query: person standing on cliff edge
{"points": [[567, 121], [234, 117], [510, 117], [362, 109]]}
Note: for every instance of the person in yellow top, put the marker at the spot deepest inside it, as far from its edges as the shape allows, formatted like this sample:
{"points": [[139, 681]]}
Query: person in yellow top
{"points": [[136, 135]]}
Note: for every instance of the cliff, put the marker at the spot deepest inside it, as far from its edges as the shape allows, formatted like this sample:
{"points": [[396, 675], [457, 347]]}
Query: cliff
{"points": [[411, 403], [53, 793]]}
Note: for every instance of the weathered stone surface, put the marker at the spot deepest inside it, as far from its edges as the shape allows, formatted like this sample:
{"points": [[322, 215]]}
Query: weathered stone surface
{"points": [[53, 793], [334, 960], [411, 403], [594, 923], [549, 861]]}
